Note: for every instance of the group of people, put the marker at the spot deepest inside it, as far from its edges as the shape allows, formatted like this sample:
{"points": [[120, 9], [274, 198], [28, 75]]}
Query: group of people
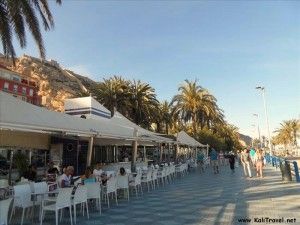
{"points": [[252, 158], [90, 175], [218, 159]]}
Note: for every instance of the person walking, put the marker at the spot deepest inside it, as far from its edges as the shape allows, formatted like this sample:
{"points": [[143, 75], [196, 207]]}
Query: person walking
{"points": [[252, 156], [221, 158], [200, 160], [232, 162], [214, 160], [245, 159], [259, 163]]}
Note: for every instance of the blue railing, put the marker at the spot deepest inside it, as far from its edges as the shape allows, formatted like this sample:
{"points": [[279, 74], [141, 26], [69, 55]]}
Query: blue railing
{"points": [[275, 161]]}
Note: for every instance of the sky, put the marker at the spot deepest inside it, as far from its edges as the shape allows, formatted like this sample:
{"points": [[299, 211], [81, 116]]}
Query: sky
{"points": [[229, 47]]}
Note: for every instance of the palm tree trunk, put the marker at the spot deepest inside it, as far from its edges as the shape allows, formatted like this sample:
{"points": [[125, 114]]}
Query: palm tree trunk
{"points": [[194, 123]]}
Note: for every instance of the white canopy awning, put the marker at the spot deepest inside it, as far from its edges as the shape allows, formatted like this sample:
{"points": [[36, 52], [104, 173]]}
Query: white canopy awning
{"points": [[184, 139], [121, 120], [22, 116]]}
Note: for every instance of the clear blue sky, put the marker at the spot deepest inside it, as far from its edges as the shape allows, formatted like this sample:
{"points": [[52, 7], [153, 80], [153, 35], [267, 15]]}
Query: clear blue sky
{"points": [[228, 46]]}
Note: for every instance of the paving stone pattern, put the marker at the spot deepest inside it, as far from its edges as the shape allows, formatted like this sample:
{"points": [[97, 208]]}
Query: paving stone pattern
{"points": [[201, 198]]}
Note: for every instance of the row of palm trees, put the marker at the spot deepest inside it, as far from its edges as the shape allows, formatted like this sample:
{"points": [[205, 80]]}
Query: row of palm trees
{"points": [[288, 133], [193, 109]]}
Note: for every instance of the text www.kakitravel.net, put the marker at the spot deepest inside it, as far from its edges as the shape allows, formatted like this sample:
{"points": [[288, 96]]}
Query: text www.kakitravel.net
{"points": [[267, 220]]}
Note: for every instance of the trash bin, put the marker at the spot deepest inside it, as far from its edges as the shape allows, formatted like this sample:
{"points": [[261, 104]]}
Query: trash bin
{"points": [[285, 171]]}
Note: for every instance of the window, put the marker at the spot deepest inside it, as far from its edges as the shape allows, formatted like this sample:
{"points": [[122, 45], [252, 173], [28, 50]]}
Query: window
{"points": [[24, 90], [31, 92], [15, 88], [6, 86], [15, 78]]}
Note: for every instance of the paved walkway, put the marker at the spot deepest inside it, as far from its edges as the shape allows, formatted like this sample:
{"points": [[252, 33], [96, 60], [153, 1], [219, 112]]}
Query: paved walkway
{"points": [[204, 199]]}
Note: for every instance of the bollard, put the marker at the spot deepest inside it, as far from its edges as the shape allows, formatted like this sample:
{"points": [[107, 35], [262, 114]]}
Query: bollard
{"points": [[285, 171], [296, 171]]}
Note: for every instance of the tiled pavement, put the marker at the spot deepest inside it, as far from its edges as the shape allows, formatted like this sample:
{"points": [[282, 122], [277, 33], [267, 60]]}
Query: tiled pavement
{"points": [[203, 199]]}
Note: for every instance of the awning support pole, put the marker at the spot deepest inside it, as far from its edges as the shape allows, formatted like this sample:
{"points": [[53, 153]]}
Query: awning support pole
{"points": [[207, 148], [90, 151], [160, 152], [145, 154], [134, 150]]}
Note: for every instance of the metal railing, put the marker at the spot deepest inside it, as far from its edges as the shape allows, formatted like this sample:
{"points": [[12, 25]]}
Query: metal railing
{"points": [[276, 161]]}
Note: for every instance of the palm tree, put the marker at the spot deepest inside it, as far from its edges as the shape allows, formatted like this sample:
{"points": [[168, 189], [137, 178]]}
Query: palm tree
{"points": [[288, 132], [196, 105], [143, 103], [15, 15], [186, 103], [163, 117], [113, 93]]}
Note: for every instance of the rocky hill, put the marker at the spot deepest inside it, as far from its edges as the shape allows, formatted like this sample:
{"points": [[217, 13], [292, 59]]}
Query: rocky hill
{"points": [[246, 140], [55, 83]]}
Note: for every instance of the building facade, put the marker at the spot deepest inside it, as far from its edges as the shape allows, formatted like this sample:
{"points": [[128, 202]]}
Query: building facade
{"points": [[19, 86]]}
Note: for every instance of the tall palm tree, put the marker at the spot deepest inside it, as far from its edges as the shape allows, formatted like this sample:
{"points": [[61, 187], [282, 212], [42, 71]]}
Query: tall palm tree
{"points": [[186, 103], [164, 117], [288, 132], [196, 105], [143, 103], [15, 15], [114, 94]]}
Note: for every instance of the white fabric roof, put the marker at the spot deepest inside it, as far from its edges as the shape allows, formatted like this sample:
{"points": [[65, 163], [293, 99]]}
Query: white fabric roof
{"points": [[118, 118], [185, 139], [19, 115]]}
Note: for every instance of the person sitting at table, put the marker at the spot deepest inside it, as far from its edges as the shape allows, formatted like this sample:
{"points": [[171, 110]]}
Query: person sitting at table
{"points": [[52, 169], [52, 172], [98, 170], [31, 173], [67, 177], [122, 171], [88, 177]]}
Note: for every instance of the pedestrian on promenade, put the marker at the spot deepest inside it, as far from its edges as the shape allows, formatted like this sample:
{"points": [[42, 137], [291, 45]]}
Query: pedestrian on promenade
{"points": [[252, 156], [232, 161], [259, 163], [245, 158], [221, 158], [214, 160], [200, 160]]}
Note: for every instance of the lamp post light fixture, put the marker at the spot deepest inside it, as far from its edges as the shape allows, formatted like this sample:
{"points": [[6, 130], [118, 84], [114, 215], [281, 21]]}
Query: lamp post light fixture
{"points": [[262, 89]]}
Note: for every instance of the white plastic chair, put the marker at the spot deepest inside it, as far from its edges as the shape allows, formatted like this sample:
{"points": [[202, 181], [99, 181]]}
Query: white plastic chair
{"points": [[80, 197], [4, 188], [23, 181], [111, 187], [147, 178], [38, 189], [22, 199], [154, 178], [136, 183], [4, 207], [63, 200], [161, 176], [94, 192], [123, 184], [3, 183]]}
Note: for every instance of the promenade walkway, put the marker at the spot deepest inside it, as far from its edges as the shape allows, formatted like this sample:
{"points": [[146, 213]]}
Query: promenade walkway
{"points": [[206, 199]]}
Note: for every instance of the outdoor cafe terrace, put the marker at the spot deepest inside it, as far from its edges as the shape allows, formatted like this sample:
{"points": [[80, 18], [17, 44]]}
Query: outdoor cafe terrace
{"points": [[194, 197]]}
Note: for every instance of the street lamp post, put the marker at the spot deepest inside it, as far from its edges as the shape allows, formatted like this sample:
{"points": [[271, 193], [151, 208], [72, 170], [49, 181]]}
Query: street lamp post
{"points": [[262, 89], [258, 130]]}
